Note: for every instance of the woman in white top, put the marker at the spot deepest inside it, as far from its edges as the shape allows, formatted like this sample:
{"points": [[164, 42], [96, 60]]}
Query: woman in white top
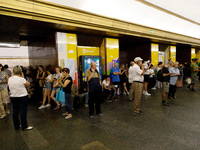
{"points": [[19, 98], [108, 90], [146, 77], [47, 89], [56, 78]]}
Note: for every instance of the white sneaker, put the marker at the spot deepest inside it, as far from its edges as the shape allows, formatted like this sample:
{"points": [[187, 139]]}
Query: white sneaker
{"points": [[147, 94], [144, 92], [42, 107], [153, 88], [68, 117], [124, 93], [48, 105], [128, 93]]}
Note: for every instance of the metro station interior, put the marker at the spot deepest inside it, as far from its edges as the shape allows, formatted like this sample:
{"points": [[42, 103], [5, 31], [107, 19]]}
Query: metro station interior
{"points": [[59, 33]]}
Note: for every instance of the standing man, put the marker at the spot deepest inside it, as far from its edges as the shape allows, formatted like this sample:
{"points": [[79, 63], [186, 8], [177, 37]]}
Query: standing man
{"points": [[7, 71], [115, 72], [165, 84], [194, 71], [130, 80], [137, 85], [94, 83]]}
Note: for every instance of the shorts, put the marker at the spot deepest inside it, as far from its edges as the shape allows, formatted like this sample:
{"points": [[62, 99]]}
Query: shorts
{"points": [[116, 83], [48, 85], [146, 78], [55, 89], [194, 79], [165, 86]]}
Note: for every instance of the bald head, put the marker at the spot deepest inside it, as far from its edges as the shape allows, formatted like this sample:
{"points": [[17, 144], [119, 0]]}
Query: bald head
{"points": [[93, 65]]}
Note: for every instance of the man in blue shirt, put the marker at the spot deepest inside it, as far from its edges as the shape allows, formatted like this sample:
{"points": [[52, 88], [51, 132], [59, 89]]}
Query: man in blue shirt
{"points": [[115, 77]]}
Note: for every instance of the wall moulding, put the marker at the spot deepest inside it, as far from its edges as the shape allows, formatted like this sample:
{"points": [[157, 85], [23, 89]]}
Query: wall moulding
{"points": [[42, 11]]}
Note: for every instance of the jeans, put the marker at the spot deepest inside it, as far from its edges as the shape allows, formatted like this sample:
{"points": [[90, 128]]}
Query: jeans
{"points": [[86, 97], [67, 102], [94, 97], [20, 105]]}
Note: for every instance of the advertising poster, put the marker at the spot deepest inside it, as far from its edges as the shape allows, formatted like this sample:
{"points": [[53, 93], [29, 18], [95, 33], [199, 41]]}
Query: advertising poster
{"points": [[112, 53], [173, 53], [154, 54], [67, 53]]}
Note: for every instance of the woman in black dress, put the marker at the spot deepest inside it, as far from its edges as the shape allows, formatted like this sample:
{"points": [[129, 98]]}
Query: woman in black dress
{"points": [[123, 79], [40, 77]]}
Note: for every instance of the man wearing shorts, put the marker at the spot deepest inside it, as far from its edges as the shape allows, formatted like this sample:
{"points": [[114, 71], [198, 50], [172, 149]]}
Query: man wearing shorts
{"points": [[165, 83], [194, 71]]}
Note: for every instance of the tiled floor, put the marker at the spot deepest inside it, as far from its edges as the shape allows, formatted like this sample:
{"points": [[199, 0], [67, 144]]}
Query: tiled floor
{"points": [[159, 128]]}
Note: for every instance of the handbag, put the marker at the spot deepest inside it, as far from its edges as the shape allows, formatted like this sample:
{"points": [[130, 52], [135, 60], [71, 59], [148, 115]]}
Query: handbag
{"points": [[179, 83], [188, 81], [41, 83], [56, 84], [60, 96]]}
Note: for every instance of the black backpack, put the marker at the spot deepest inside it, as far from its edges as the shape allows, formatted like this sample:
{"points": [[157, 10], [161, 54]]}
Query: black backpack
{"points": [[160, 76]]}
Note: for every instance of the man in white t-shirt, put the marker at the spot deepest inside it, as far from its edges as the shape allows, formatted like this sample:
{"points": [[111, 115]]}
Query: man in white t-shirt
{"points": [[130, 80], [137, 78]]}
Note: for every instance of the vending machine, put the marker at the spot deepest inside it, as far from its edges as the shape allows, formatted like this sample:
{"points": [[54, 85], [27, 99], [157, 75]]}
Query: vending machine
{"points": [[84, 64]]}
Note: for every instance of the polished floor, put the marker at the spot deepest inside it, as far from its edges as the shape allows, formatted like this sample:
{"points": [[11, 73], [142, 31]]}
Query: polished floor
{"points": [[159, 128]]}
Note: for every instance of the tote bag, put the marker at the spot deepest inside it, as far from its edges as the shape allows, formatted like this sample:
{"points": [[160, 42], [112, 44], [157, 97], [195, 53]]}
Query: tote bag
{"points": [[60, 96], [179, 83]]}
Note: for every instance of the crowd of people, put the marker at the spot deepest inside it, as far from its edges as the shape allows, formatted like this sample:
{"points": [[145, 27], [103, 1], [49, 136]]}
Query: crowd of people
{"points": [[46, 84]]}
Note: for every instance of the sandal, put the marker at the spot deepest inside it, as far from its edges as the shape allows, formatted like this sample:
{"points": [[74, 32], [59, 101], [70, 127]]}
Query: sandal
{"points": [[57, 107]]}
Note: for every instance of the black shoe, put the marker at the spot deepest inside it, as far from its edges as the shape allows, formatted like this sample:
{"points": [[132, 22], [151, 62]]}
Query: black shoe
{"points": [[165, 104], [192, 89], [188, 86]]}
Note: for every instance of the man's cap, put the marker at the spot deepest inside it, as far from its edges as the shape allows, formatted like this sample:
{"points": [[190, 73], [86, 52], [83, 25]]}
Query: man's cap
{"points": [[194, 59], [138, 59]]}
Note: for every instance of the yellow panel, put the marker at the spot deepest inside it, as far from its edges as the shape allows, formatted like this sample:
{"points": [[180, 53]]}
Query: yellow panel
{"points": [[154, 54], [112, 49], [71, 38], [71, 46], [173, 53], [198, 55], [89, 51]]}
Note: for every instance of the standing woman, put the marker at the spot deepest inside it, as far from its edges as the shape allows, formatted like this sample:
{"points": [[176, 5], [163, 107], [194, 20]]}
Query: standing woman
{"points": [[173, 79], [40, 78], [159, 67], [66, 83], [56, 78], [146, 77], [3, 92], [123, 79], [47, 89], [19, 98]]}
